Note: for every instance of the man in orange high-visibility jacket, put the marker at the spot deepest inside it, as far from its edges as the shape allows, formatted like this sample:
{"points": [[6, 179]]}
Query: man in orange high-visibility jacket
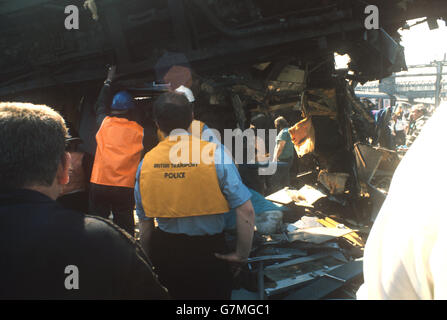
{"points": [[118, 153]]}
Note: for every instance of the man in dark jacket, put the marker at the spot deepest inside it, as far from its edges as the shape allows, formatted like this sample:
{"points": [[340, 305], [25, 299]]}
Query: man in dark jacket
{"points": [[47, 251]]}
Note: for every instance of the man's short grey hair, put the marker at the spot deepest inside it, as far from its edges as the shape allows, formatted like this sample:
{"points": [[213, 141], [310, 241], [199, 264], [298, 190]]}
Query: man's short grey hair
{"points": [[32, 144]]}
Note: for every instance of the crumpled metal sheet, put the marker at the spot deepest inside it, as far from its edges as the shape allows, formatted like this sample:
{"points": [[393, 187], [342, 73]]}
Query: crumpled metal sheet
{"points": [[303, 137]]}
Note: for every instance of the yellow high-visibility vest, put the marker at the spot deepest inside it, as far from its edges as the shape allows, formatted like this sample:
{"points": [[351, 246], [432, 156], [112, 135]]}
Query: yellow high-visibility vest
{"points": [[190, 188]]}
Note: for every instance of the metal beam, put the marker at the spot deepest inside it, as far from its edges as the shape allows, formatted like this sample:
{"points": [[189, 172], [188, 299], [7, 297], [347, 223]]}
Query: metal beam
{"points": [[416, 75], [116, 35], [8, 7], [329, 283], [177, 11], [14, 6]]}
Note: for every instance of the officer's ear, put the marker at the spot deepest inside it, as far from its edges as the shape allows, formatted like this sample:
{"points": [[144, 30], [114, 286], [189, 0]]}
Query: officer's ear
{"points": [[63, 169]]}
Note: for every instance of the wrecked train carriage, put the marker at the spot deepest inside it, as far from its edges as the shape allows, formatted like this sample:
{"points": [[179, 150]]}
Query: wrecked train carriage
{"points": [[38, 52], [248, 57]]}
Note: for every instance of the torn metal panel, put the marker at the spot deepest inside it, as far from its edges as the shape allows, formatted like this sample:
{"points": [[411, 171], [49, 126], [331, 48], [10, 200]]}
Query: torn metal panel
{"points": [[280, 250], [374, 160], [303, 137], [334, 182], [321, 102], [290, 283], [270, 258], [388, 54], [298, 261], [291, 79], [336, 279]]}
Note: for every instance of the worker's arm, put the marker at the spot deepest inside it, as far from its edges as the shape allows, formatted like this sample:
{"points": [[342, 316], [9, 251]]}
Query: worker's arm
{"points": [[238, 198], [105, 97], [245, 221], [278, 149]]}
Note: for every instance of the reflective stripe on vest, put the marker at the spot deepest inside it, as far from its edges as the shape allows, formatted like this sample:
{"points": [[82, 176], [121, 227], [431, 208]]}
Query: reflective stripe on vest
{"points": [[120, 143], [181, 190], [196, 129], [77, 181]]}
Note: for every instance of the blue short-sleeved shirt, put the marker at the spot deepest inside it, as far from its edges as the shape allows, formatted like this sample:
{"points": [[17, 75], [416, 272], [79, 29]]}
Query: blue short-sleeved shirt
{"points": [[287, 152], [235, 192]]}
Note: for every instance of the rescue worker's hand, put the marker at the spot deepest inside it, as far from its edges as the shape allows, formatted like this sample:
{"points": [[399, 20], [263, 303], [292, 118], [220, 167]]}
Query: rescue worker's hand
{"points": [[235, 260], [111, 73]]}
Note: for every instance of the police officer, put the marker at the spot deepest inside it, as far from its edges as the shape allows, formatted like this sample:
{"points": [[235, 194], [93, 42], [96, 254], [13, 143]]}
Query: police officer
{"points": [[118, 153], [197, 128], [188, 199]]}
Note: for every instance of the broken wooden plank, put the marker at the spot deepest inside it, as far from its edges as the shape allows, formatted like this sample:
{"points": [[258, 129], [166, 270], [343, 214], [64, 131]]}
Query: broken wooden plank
{"points": [[352, 237], [326, 285]]}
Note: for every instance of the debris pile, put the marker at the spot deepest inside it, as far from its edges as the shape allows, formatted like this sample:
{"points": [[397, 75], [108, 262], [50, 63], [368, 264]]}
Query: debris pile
{"points": [[310, 256]]}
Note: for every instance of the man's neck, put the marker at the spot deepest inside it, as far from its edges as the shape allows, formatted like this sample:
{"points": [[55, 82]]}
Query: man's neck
{"points": [[50, 191]]}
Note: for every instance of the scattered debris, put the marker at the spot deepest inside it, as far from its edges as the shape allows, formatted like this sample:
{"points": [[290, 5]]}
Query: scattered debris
{"points": [[269, 222], [317, 235], [334, 182], [312, 257]]}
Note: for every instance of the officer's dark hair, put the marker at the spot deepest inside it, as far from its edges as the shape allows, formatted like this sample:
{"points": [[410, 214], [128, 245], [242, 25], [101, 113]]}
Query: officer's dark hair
{"points": [[172, 111], [32, 145]]}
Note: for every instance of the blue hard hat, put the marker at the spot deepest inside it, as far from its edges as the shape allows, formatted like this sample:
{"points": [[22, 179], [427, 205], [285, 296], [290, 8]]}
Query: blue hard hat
{"points": [[123, 100]]}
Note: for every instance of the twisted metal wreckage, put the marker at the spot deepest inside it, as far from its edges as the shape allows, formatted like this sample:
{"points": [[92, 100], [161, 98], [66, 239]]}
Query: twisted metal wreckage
{"points": [[248, 58]]}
